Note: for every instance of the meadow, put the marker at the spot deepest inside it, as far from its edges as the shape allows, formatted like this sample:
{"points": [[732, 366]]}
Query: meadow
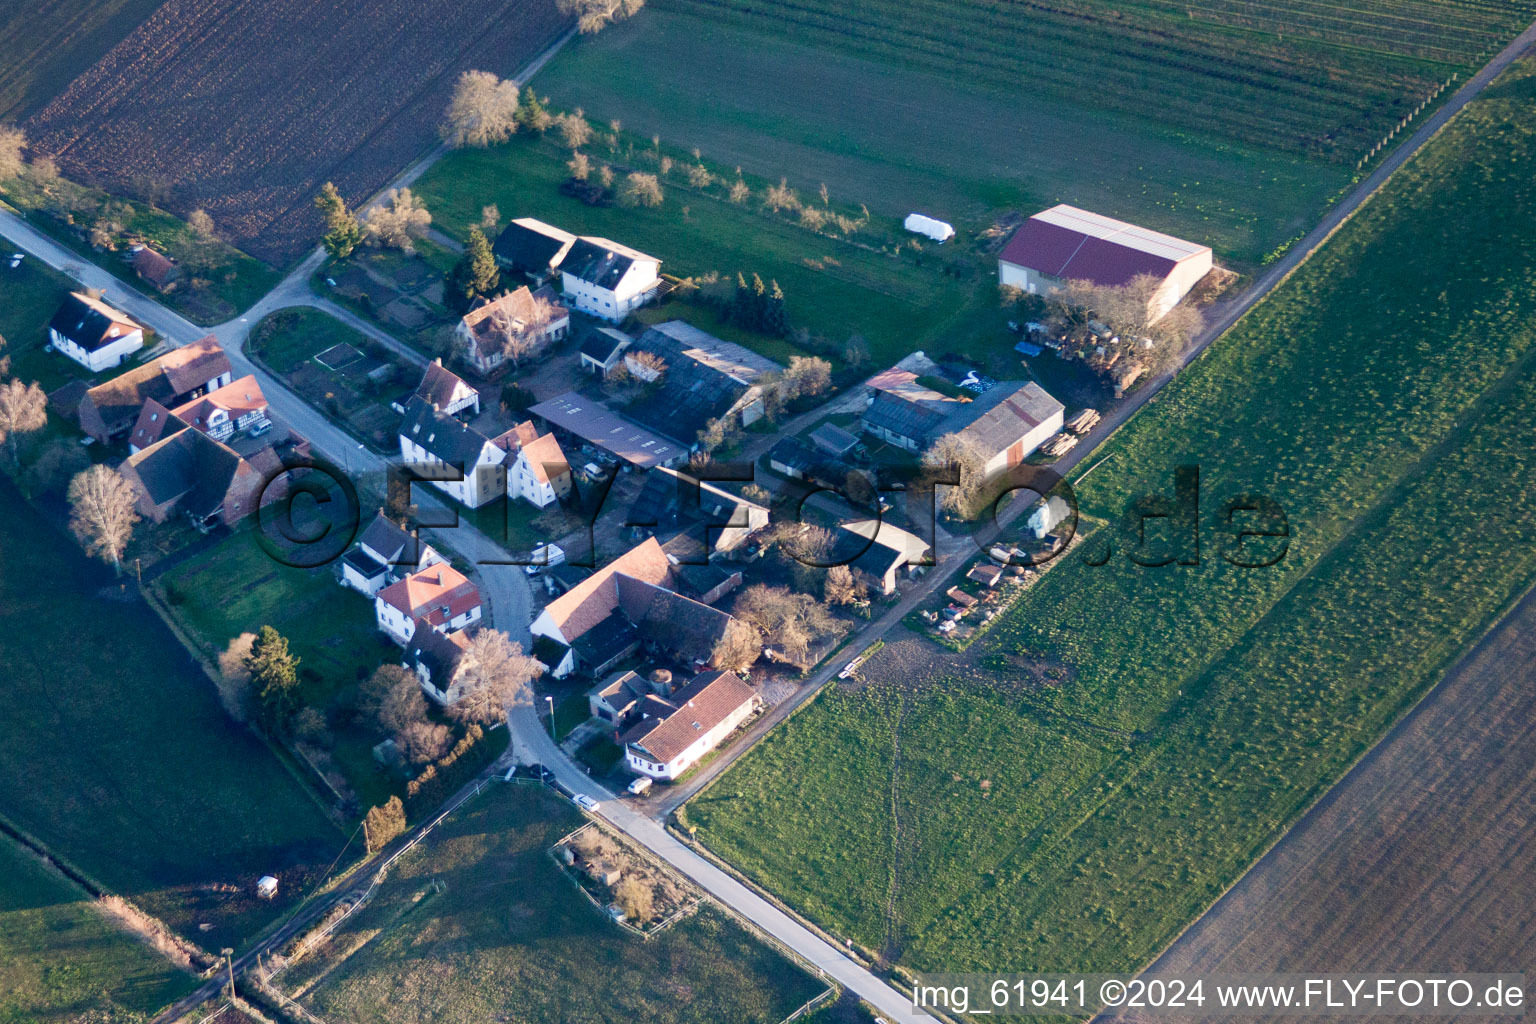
{"points": [[116, 756], [1386, 405], [479, 924], [751, 92], [60, 957]]}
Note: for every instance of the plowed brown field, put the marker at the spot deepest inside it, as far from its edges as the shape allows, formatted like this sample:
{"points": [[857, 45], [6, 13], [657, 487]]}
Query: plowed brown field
{"points": [[243, 107]]}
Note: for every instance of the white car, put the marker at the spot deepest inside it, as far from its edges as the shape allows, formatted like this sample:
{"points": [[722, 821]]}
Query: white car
{"points": [[586, 803]]}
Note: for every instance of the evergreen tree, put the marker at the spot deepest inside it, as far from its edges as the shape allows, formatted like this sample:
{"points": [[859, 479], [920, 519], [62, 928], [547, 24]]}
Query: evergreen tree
{"points": [[775, 320], [741, 303], [475, 274], [274, 676], [758, 311], [343, 232]]}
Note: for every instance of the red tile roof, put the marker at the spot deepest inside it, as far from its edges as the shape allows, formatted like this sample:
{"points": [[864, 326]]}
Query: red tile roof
{"points": [[594, 598], [425, 595], [699, 707]]}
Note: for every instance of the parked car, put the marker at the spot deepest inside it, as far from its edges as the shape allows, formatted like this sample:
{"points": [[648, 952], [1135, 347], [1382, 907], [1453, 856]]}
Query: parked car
{"points": [[640, 785], [586, 803]]}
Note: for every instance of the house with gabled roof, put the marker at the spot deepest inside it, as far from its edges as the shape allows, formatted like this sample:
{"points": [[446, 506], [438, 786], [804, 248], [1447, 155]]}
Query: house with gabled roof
{"points": [[879, 552], [601, 349], [438, 597], [108, 410], [674, 733], [608, 280], [192, 473], [532, 247], [1065, 243], [523, 320], [670, 501], [605, 617], [383, 553], [236, 408], [438, 660], [156, 269], [539, 473], [456, 458], [447, 392], [92, 333]]}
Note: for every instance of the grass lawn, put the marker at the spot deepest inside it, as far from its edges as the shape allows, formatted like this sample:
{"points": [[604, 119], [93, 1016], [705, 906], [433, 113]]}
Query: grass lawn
{"points": [[288, 341], [899, 139], [60, 957], [115, 753], [833, 288], [1203, 707], [33, 292], [570, 713], [503, 936], [235, 588]]}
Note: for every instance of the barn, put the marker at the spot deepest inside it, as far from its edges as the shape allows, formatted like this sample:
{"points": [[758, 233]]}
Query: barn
{"points": [[1067, 244]]}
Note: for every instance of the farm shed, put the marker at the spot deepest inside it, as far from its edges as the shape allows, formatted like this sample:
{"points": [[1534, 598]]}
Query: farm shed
{"points": [[833, 439], [595, 423], [1067, 244], [921, 224], [532, 247]]}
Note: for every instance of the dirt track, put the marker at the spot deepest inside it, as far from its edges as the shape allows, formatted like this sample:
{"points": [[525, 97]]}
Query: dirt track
{"points": [[1422, 859]]}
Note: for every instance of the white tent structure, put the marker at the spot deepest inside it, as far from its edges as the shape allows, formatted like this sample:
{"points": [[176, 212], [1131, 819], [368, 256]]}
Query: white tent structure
{"points": [[921, 224]]}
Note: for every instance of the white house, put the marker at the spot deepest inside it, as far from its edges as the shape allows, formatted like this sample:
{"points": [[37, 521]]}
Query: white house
{"points": [[438, 659], [447, 391], [94, 334], [438, 597], [675, 732], [520, 322], [1067, 244], [540, 474], [459, 460], [608, 280], [383, 552]]}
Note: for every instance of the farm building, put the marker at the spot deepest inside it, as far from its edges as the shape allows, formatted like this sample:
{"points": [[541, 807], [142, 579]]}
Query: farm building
{"points": [[670, 500], [382, 550], [156, 269], [911, 409], [608, 280], [602, 348], [881, 552], [438, 597], [833, 439], [239, 407], [519, 324], [705, 378], [928, 227], [530, 246], [674, 732], [189, 472], [593, 422], [108, 410], [94, 334], [1067, 244]]}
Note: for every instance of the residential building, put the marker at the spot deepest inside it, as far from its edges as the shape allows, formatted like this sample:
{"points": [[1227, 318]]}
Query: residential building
{"points": [[602, 348], [673, 733], [514, 325], [438, 660], [156, 269], [605, 617], [532, 247], [458, 460], [704, 380], [447, 392], [238, 407], [1067, 244], [912, 405], [539, 474], [93, 334], [591, 421], [608, 280], [438, 597], [384, 551], [108, 410]]}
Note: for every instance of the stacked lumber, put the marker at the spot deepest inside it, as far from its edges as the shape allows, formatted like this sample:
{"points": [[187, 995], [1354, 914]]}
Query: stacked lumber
{"points": [[1059, 445], [1084, 421]]}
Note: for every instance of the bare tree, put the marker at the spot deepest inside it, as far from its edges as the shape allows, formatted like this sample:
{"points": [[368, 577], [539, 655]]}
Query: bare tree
{"points": [[959, 452], [23, 410], [699, 176], [424, 741], [781, 197], [574, 128], [482, 112], [517, 338], [595, 15], [234, 682], [493, 673], [490, 219], [792, 623], [740, 192], [1108, 326], [103, 511], [12, 141], [579, 166], [641, 189], [397, 221], [808, 375], [392, 698], [635, 898], [738, 647], [841, 588], [648, 366], [201, 224]]}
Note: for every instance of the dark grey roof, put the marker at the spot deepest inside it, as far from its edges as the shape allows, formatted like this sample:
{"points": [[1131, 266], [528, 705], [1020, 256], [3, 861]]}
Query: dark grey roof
{"points": [[794, 453], [365, 564], [603, 343], [598, 262], [439, 654], [1004, 413], [530, 246], [83, 323], [390, 540], [907, 419], [833, 439], [189, 466], [593, 421], [442, 435], [548, 651], [611, 638]]}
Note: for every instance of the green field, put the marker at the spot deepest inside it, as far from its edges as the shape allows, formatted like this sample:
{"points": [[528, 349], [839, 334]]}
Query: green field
{"points": [[1294, 75], [506, 937], [44, 46], [1388, 409], [115, 754], [33, 292], [60, 956], [753, 93], [895, 304]]}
